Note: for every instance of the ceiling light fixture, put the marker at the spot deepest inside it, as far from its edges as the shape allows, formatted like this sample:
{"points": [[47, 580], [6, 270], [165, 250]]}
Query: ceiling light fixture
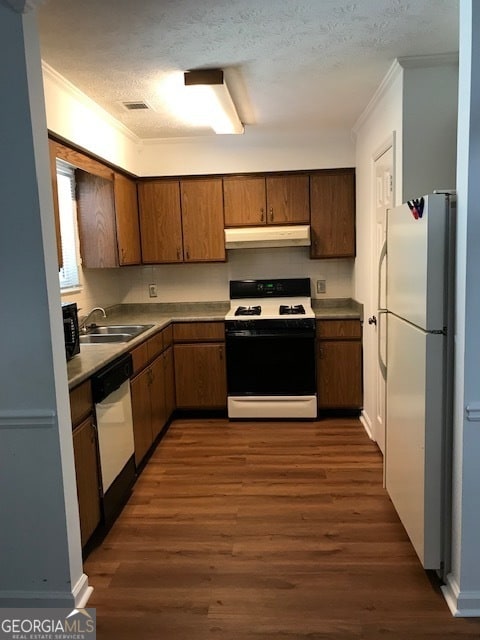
{"points": [[211, 99]]}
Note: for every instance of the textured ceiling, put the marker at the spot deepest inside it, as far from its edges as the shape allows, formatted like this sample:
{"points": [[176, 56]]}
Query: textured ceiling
{"points": [[290, 64]]}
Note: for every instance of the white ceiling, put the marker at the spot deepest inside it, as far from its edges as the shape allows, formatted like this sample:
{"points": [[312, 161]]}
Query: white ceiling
{"points": [[290, 64]]}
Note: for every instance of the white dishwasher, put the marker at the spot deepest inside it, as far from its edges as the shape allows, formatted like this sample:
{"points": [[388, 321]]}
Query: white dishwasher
{"points": [[113, 408]]}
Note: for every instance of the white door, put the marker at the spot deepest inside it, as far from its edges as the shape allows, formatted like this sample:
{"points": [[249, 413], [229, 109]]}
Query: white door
{"points": [[383, 201]]}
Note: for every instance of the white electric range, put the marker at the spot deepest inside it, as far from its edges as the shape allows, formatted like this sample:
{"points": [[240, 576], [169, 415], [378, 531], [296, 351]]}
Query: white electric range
{"points": [[270, 346]]}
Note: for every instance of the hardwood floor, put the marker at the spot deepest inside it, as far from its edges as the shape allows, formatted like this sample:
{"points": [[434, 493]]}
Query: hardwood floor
{"points": [[264, 531]]}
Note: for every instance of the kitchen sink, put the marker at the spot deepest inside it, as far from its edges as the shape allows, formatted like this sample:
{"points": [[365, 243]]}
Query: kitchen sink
{"points": [[113, 333]]}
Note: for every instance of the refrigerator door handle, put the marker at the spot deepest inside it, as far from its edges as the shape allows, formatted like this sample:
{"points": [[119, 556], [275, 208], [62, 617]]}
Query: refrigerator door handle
{"points": [[381, 311], [381, 363]]}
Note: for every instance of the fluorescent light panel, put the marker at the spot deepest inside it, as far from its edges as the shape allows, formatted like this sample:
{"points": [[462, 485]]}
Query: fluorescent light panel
{"points": [[211, 100]]}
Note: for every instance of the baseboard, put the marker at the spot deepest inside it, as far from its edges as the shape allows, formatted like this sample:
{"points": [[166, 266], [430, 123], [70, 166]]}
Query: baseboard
{"points": [[462, 604], [48, 599], [367, 424]]}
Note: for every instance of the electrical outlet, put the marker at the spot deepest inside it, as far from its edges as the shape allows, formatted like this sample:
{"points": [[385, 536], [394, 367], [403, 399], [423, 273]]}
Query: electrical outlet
{"points": [[321, 286], [152, 290]]}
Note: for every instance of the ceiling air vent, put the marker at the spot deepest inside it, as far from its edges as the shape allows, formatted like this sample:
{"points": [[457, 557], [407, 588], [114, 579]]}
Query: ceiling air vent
{"points": [[137, 105]]}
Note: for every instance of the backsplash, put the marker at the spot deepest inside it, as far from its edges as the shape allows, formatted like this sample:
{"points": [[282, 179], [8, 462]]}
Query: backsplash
{"points": [[209, 282], [100, 287]]}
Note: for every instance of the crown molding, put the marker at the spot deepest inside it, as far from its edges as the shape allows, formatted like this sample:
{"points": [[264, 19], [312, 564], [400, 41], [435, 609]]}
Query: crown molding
{"points": [[391, 75], [65, 85], [436, 60]]}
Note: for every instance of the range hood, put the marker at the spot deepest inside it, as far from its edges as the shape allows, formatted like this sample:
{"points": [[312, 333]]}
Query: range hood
{"points": [[268, 236]]}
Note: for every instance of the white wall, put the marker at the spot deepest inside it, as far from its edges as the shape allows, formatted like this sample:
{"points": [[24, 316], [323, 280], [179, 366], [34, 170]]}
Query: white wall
{"points": [[252, 151], [430, 106], [76, 118], [381, 121]]}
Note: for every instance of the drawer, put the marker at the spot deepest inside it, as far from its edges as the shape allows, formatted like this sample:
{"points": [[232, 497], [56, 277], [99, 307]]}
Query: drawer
{"points": [[139, 357], [167, 336], [199, 332], [81, 404], [339, 329], [155, 345]]}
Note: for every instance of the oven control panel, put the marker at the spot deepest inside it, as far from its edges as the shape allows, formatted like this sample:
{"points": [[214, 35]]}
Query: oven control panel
{"points": [[265, 288]]}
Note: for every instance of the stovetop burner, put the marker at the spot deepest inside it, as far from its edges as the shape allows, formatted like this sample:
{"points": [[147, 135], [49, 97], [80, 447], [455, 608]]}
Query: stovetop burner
{"points": [[249, 311], [291, 310]]}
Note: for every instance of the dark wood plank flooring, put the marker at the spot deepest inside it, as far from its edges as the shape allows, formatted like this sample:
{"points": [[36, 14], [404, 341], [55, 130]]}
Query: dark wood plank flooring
{"points": [[264, 531]]}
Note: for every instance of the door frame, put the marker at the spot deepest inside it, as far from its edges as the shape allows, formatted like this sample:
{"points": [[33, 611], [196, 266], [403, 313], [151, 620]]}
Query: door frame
{"points": [[371, 361]]}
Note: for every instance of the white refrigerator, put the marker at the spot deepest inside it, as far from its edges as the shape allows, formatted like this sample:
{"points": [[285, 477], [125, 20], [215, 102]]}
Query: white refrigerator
{"points": [[420, 313]]}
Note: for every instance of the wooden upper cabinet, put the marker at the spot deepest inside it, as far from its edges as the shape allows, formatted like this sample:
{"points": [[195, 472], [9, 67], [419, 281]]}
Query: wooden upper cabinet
{"points": [[96, 220], [126, 213], [202, 220], [160, 221], [52, 148], [288, 200], [332, 198], [244, 201]]}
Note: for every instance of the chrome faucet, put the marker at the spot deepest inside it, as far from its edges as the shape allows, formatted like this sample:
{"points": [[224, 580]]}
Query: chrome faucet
{"points": [[83, 323]]}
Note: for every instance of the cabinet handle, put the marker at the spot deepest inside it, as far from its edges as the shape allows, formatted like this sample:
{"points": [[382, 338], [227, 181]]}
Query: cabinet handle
{"points": [[179, 254], [320, 353], [271, 214], [220, 351], [262, 215], [187, 253]]}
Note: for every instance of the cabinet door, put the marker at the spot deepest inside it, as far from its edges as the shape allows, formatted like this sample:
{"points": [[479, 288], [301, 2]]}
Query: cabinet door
{"points": [[52, 147], [126, 213], [157, 396], [160, 221], [332, 198], [169, 382], [202, 220], [288, 199], [339, 374], [244, 201], [200, 376], [88, 481], [96, 220], [142, 414]]}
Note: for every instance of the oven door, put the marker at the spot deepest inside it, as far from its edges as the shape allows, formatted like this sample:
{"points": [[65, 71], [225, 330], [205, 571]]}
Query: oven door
{"points": [[271, 362]]}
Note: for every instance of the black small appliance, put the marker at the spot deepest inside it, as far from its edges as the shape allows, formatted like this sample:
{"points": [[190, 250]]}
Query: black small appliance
{"points": [[70, 329]]}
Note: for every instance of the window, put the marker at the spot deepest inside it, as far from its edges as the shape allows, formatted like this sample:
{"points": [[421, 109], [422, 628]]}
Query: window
{"points": [[69, 273]]}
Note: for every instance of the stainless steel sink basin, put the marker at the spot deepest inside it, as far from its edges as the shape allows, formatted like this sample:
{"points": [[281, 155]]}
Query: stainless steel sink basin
{"points": [[131, 329], [102, 338], [113, 333]]}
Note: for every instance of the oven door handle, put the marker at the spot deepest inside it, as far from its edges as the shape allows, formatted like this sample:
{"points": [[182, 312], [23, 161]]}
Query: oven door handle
{"points": [[270, 334]]}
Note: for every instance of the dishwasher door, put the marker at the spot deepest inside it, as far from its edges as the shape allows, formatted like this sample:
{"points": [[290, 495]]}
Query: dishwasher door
{"points": [[115, 433]]}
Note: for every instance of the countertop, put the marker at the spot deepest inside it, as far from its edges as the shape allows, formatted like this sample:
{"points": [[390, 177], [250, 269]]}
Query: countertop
{"points": [[93, 357]]}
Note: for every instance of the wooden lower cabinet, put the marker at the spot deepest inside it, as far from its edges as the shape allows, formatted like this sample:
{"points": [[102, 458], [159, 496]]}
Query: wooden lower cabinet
{"points": [[200, 376], [157, 396], [142, 414], [339, 364], [152, 389], [88, 480], [169, 374]]}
